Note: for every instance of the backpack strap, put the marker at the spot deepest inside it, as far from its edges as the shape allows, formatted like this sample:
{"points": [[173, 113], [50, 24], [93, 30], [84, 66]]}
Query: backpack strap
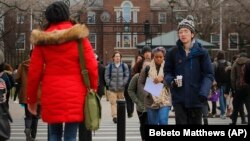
{"points": [[110, 70], [123, 69]]}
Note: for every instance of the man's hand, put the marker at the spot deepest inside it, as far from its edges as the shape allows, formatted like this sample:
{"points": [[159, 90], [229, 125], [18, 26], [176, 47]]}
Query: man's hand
{"points": [[174, 84], [202, 98]]}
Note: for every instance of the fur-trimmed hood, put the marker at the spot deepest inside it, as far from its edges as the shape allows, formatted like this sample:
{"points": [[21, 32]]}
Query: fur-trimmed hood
{"points": [[77, 31]]}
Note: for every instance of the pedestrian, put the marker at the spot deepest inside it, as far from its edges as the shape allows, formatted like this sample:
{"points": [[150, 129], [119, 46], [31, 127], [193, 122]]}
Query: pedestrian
{"points": [[158, 106], [221, 77], [30, 120], [55, 64], [17, 85], [9, 72], [191, 64], [116, 77], [241, 87], [101, 78], [137, 96], [146, 53], [4, 109], [129, 103]]}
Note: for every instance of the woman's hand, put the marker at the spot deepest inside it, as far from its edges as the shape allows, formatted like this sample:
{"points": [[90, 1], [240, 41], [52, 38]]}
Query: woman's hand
{"points": [[33, 108], [158, 79]]}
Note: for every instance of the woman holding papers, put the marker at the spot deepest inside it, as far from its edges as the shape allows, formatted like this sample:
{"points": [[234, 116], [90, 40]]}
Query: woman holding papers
{"points": [[157, 104]]}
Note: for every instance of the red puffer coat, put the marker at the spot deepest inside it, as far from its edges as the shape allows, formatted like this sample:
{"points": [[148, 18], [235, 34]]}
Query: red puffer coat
{"points": [[55, 65]]}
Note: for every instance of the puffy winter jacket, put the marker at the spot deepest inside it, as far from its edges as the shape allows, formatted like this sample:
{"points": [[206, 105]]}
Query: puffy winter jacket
{"points": [[55, 63]]}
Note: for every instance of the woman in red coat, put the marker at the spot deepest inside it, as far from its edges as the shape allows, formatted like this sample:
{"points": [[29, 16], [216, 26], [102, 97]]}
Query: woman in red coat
{"points": [[55, 65]]}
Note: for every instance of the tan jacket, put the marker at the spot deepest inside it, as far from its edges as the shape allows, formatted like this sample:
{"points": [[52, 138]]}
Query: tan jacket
{"points": [[21, 77]]}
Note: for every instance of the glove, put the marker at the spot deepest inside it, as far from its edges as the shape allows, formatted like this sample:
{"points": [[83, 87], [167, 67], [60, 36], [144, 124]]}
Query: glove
{"points": [[202, 98]]}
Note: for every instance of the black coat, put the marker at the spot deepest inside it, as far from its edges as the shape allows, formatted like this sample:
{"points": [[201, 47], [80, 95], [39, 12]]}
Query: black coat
{"points": [[247, 72], [101, 80]]}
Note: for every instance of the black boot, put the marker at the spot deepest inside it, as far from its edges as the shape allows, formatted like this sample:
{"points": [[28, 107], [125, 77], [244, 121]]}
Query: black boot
{"points": [[34, 127], [205, 121], [27, 132]]}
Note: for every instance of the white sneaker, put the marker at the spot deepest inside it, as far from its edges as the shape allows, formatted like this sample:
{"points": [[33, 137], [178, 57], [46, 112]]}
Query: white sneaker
{"points": [[223, 117], [16, 102]]}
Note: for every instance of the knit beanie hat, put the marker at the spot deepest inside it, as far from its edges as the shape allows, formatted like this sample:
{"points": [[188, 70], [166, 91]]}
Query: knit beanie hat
{"points": [[187, 23], [146, 49], [57, 12]]}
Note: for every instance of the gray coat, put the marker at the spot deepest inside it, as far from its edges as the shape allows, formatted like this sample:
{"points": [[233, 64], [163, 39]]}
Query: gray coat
{"points": [[118, 78]]}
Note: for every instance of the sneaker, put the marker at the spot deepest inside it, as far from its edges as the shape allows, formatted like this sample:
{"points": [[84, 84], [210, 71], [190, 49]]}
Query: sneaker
{"points": [[115, 120], [28, 135], [213, 116], [243, 122], [16, 101], [223, 117]]}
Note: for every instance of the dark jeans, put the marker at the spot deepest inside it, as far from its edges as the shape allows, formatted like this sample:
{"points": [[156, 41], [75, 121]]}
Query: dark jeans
{"points": [[31, 121], [68, 132], [205, 113], [242, 96], [241, 111], [143, 121], [184, 116]]}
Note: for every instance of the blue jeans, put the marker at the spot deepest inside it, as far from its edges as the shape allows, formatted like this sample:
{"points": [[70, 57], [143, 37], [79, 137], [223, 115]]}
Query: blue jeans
{"points": [[222, 100], [158, 116], [56, 131]]}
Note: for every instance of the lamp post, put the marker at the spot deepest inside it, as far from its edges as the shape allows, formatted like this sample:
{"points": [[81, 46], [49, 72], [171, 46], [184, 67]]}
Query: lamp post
{"points": [[147, 33], [220, 45], [172, 4]]}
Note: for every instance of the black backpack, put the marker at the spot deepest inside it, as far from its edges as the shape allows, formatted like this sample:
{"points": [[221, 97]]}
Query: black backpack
{"points": [[221, 76]]}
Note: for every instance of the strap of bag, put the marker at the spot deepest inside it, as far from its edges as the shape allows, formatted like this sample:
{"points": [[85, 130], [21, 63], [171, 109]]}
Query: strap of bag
{"points": [[84, 71]]}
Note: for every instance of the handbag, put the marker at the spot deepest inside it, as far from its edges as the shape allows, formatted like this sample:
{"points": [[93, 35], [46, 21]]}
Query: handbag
{"points": [[5, 120], [92, 108]]}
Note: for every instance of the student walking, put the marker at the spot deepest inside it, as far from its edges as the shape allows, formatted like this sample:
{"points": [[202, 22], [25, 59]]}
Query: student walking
{"points": [[55, 65], [191, 62], [116, 77], [30, 120], [158, 106]]}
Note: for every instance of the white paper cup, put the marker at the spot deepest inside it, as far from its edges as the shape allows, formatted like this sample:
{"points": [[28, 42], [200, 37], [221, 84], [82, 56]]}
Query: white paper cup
{"points": [[179, 80]]}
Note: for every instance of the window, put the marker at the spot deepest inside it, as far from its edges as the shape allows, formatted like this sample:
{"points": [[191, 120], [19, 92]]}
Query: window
{"points": [[118, 40], [126, 40], [91, 17], [134, 40], [233, 40], [135, 12], [20, 42], [162, 18], [126, 11], [215, 38], [126, 14], [20, 19], [92, 39]]}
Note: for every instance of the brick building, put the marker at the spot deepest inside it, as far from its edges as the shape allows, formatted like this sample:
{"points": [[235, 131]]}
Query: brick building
{"points": [[120, 25]]}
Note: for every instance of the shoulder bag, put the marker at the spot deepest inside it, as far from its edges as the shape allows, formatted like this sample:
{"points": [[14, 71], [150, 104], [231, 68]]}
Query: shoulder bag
{"points": [[92, 108]]}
